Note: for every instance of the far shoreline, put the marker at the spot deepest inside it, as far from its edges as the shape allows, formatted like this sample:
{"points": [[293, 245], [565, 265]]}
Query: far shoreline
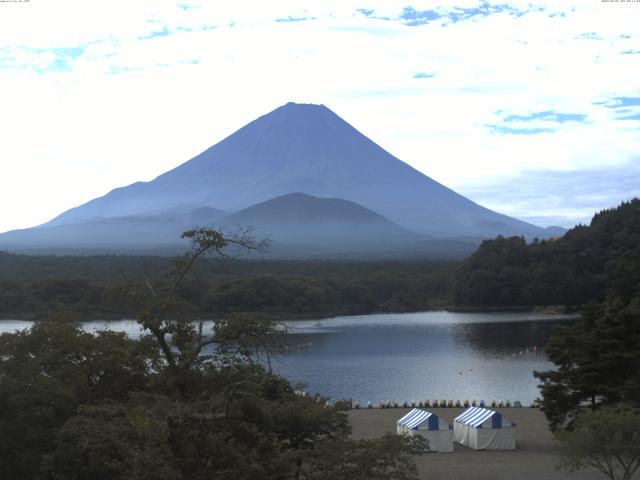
{"points": [[73, 316]]}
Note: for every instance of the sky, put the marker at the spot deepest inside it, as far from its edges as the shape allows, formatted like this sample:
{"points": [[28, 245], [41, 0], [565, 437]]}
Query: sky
{"points": [[530, 108]]}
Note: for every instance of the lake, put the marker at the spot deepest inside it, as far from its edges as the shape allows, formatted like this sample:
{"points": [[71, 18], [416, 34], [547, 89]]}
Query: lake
{"points": [[409, 356], [417, 356]]}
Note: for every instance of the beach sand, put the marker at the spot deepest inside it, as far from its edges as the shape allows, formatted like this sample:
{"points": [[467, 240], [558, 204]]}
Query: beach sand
{"points": [[535, 457]]}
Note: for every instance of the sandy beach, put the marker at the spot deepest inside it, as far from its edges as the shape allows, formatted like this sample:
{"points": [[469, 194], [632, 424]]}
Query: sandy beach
{"points": [[535, 457]]}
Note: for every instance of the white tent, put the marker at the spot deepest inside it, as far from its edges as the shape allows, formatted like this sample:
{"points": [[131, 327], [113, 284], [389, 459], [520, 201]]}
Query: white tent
{"points": [[438, 433], [480, 428]]}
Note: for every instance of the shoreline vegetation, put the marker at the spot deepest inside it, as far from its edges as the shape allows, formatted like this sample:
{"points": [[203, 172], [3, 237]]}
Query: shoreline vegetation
{"points": [[579, 268], [161, 395], [100, 405], [95, 288], [504, 274], [85, 288]]}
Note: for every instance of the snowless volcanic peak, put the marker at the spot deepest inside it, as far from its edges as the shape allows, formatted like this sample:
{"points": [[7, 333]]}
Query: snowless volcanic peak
{"points": [[305, 148]]}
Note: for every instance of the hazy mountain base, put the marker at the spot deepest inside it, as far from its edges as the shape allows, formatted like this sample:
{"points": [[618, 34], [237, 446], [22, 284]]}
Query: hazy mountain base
{"points": [[297, 225]]}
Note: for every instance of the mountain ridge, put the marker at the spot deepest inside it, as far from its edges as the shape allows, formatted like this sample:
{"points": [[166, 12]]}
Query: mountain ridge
{"points": [[298, 225], [306, 148], [302, 218], [300, 156]]}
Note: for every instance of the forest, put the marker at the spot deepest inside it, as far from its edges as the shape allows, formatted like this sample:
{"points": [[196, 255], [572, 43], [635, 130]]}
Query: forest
{"points": [[571, 271], [576, 269], [95, 287], [594, 385], [76, 405], [103, 406]]}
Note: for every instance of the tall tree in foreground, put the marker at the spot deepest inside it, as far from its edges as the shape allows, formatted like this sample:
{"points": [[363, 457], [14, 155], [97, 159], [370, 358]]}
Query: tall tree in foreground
{"points": [[384, 458], [607, 439], [597, 362], [598, 358], [47, 375]]}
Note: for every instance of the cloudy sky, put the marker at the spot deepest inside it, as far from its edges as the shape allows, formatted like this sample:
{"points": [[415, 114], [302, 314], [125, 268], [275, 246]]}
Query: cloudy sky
{"points": [[531, 108]]}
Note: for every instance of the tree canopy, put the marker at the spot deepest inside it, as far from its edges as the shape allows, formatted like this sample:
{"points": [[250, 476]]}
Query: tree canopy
{"points": [[181, 403], [580, 267], [607, 439], [597, 361], [91, 287]]}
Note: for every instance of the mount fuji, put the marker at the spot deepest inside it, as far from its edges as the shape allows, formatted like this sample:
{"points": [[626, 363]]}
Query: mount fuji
{"points": [[300, 149]]}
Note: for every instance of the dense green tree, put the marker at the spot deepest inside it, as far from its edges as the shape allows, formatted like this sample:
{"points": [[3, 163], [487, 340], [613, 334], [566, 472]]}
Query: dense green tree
{"points": [[114, 441], [272, 288], [597, 361], [184, 402], [579, 268], [47, 373], [389, 458], [607, 439]]}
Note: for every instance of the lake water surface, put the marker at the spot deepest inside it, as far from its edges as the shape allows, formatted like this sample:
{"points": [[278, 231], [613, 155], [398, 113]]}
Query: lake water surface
{"points": [[417, 356], [411, 356]]}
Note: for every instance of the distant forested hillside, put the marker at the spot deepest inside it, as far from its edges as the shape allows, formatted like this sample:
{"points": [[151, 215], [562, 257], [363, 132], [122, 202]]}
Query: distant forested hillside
{"points": [[97, 286], [578, 268]]}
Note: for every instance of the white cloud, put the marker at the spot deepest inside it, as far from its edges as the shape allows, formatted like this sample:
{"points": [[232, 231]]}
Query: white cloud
{"points": [[136, 103]]}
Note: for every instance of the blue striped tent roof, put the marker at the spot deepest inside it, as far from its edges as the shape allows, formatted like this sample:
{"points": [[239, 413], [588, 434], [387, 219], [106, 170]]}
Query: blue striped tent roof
{"points": [[414, 418], [476, 416]]}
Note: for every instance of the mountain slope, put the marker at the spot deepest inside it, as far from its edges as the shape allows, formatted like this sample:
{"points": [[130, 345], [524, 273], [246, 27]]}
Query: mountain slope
{"points": [[329, 224], [116, 233], [305, 148], [306, 216], [298, 226]]}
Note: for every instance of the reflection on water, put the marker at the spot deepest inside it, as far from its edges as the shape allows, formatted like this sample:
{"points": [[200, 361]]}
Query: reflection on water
{"points": [[432, 355], [415, 356], [516, 338]]}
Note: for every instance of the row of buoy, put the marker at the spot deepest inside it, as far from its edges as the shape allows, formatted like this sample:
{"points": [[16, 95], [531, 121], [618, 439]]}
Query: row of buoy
{"points": [[445, 404]]}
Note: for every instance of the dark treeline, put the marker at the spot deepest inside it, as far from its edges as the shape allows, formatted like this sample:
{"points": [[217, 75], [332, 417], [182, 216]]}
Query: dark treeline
{"points": [[96, 286], [99, 268], [595, 269], [576, 269], [597, 359]]}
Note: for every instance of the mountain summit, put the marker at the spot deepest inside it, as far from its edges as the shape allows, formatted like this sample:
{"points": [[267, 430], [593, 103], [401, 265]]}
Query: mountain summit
{"points": [[305, 148], [302, 218]]}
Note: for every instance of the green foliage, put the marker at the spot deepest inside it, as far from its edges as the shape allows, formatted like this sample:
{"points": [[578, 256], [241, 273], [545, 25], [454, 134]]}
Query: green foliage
{"points": [[387, 458], [182, 403], [294, 289], [607, 439], [597, 361], [47, 374], [113, 441], [576, 269], [242, 337]]}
